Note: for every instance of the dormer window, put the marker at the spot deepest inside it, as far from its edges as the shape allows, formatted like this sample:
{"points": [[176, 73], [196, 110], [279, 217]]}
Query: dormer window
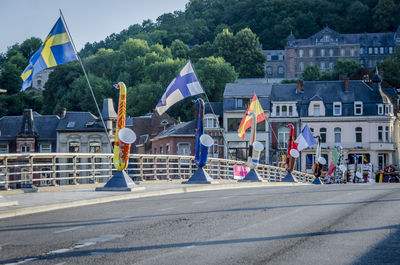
{"points": [[210, 123], [242, 103], [164, 123], [317, 110], [388, 109], [71, 124], [337, 109], [380, 109], [358, 108]]}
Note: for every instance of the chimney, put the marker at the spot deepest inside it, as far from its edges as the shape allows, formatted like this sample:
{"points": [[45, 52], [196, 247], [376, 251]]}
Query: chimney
{"points": [[346, 84], [62, 113], [300, 84], [376, 80]]}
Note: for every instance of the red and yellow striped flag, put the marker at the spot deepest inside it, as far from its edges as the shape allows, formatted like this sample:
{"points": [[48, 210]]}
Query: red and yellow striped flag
{"points": [[255, 107]]}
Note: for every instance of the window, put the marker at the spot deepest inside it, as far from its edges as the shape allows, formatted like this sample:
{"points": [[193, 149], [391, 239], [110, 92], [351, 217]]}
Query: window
{"points": [[210, 123], [278, 110], [387, 138], [94, 147], [382, 50], [331, 52], [155, 150], [268, 57], [361, 50], [380, 109], [242, 103], [261, 126], [322, 52], [376, 50], [322, 134], [382, 161], [184, 149], [73, 147], [25, 148], [338, 136], [280, 70], [71, 124], [390, 50], [316, 110], [301, 66], [387, 109], [290, 110], [161, 150], [301, 53], [283, 136], [45, 148], [269, 70], [352, 52], [380, 133], [167, 149], [358, 108], [342, 52], [3, 148], [370, 50], [358, 132], [284, 110], [331, 66], [337, 108], [233, 124], [322, 66], [311, 52], [280, 56]]}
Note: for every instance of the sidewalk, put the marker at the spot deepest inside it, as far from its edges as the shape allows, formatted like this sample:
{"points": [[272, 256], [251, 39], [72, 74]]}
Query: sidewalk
{"points": [[16, 202]]}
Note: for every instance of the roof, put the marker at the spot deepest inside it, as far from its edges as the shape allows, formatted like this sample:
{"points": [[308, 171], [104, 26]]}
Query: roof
{"points": [[364, 39], [214, 106], [183, 129], [45, 126], [241, 89], [79, 121]]}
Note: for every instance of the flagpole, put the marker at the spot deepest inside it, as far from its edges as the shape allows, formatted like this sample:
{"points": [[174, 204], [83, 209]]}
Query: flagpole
{"points": [[87, 79]]}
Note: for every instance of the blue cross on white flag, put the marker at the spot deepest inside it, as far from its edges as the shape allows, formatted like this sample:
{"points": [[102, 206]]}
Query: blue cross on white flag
{"points": [[184, 85]]}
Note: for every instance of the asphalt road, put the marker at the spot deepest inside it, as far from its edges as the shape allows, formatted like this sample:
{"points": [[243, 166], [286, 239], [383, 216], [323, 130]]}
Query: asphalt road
{"points": [[315, 224]]}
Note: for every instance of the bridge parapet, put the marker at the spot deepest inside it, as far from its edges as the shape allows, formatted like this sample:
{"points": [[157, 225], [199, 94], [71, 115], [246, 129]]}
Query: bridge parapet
{"points": [[46, 169]]}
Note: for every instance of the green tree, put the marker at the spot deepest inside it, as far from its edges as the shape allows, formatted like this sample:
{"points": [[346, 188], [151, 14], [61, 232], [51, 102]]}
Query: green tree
{"points": [[30, 46], [311, 73], [249, 59], [391, 68], [224, 46], [346, 67], [179, 49], [386, 15], [214, 73]]}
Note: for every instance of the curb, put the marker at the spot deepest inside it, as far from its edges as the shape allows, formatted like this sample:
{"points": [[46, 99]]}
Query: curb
{"points": [[186, 189]]}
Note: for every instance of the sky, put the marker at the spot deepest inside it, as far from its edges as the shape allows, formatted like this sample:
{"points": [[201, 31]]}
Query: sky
{"points": [[87, 20]]}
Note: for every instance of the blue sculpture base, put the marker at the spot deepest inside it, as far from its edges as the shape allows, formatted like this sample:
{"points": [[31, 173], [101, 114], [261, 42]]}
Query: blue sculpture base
{"points": [[288, 178], [200, 177], [317, 181], [119, 182], [252, 176]]}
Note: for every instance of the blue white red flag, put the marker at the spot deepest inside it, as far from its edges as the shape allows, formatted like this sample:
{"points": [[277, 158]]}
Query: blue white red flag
{"points": [[305, 139], [184, 85]]}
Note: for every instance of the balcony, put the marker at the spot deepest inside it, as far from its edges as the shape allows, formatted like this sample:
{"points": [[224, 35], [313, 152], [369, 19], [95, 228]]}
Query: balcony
{"points": [[382, 146]]}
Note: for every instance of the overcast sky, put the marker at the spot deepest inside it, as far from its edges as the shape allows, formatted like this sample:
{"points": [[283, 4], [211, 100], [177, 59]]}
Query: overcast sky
{"points": [[87, 20]]}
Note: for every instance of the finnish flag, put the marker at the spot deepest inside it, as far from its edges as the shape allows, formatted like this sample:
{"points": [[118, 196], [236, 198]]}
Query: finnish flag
{"points": [[305, 139], [184, 85]]}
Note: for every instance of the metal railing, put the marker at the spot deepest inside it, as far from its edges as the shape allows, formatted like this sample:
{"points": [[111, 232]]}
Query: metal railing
{"points": [[46, 169]]}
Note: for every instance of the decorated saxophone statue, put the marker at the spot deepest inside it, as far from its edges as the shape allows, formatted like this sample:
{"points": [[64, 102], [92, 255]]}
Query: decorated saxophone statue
{"points": [[292, 153], [203, 141], [124, 137]]}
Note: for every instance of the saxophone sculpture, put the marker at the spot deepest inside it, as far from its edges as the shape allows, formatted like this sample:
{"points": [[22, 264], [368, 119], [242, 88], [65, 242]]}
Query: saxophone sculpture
{"points": [[124, 137], [292, 153], [320, 161], [256, 147], [203, 141]]}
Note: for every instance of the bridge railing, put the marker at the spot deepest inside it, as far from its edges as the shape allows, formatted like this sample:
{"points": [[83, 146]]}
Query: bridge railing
{"points": [[45, 169]]}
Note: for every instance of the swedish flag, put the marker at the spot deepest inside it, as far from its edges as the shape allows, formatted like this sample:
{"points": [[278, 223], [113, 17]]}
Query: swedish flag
{"points": [[55, 50]]}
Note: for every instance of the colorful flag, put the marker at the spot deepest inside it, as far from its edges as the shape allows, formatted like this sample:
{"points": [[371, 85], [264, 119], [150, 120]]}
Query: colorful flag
{"points": [[335, 156], [255, 107], [55, 50], [184, 85], [305, 139]]}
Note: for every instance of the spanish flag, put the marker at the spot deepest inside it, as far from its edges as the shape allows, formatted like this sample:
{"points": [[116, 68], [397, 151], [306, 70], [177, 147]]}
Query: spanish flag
{"points": [[255, 107]]}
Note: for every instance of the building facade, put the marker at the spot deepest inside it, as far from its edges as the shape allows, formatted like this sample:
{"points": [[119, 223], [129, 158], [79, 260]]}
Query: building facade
{"points": [[327, 46]]}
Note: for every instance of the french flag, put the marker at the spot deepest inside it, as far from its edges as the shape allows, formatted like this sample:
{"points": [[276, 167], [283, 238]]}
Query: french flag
{"points": [[305, 139]]}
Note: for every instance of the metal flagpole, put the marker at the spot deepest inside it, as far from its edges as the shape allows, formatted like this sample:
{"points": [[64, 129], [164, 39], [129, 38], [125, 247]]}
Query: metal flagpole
{"points": [[87, 79]]}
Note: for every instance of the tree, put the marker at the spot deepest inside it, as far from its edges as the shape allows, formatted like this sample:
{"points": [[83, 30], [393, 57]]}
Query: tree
{"points": [[30, 46], [386, 15], [224, 46], [179, 49], [311, 73], [249, 58], [391, 68], [214, 73], [346, 67]]}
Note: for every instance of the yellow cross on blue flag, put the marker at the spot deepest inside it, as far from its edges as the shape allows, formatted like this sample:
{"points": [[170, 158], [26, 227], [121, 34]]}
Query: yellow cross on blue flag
{"points": [[55, 50]]}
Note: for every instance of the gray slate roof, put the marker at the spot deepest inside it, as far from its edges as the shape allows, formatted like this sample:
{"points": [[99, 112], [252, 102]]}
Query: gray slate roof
{"points": [[241, 90], [81, 121], [45, 125], [185, 128]]}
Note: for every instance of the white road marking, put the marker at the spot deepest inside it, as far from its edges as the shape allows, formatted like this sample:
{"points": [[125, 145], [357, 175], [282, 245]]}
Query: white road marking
{"points": [[166, 209], [67, 230], [199, 202]]}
